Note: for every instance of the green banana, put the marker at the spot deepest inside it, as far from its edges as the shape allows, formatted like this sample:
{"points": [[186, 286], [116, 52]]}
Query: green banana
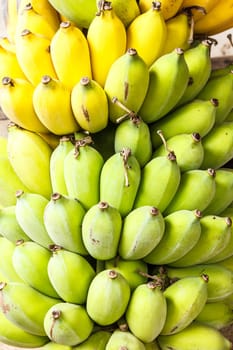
{"points": [[196, 190], [195, 116], [12, 335], [217, 71], [29, 211], [16, 304], [103, 141], [187, 148], [119, 181], [67, 324], [195, 336], [229, 117], [101, 231], [218, 146], [97, 340], [152, 345], [142, 230], [217, 315], [54, 346], [128, 81], [147, 311], [134, 133], [220, 283], [108, 297], [124, 340], [164, 93], [185, 299], [9, 227], [63, 216], [215, 236], [70, 275], [82, 168], [182, 232], [30, 261], [7, 270]]}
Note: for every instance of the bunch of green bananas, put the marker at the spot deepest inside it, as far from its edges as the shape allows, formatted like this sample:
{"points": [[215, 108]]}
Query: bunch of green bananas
{"points": [[116, 202]]}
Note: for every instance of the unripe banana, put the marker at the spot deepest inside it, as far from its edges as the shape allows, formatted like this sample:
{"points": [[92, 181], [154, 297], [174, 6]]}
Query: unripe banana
{"points": [[147, 311], [106, 37], [27, 150], [55, 346], [124, 340], [196, 190], [147, 33], [9, 64], [108, 297], [70, 275], [29, 46], [182, 232], [185, 299], [187, 148], [217, 315], [101, 231], [152, 345], [69, 48], [217, 71], [7, 270], [82, 168], [218, 146], [127, 82], [196, 335], [67, 324], [90, 105], [186, 119], [163, 93], [142, 231], [97, 340], [119, 181], [16, 304], [29, 211], [13, 92], [229, 117]]}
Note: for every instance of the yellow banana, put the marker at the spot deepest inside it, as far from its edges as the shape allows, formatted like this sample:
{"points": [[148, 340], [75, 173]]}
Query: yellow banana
{"points": [[147, 33], [9, 64], [69, 49], [106, 38], [51, 101], [13, 92], [126, 11], [12, 16], [199, 8], [169, 8], [217, 315], [51, 139]]}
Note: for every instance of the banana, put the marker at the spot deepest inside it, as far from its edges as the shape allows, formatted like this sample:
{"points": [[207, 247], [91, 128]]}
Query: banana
{"points": [[101, 231], [82, 168], [185, 298], [103, 141], [163, 93], [9, 64], [50, 345], [13, 91], [217, 71], [217, 146], [187, 148], [7, 270], [119, 181], [16, 303], [125, 11], [126, 84], [217, 315], [106, 37], [199, 8], [29, 211], [147, 311], [60, 324], [89, 103], [68, 49], [27, 150], [12, 335], [112, 286], [220, 284], [142, 231], [58, 119], [199, 182], [152, 345], [214, 88], [70, 267], [196, 335], [229, 117], [186, 119], [215, 236], [63, 218], [198, 59], [147, 33], [182, 232], [10, 12], [51, 139], [124, 339], [169, 8], [29, 46], [9, 227], [57, 164], [97, 340]]}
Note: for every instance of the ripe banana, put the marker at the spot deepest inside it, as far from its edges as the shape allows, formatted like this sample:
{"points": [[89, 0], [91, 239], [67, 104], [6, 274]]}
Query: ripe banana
{"points": [[147, 33], [169, 8], [9, 64], [106, 37], [68, 49], [124, 339], [182, 232], [126, 84], [163, 93], [7, 270], [125, 11], [217, 315]]}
